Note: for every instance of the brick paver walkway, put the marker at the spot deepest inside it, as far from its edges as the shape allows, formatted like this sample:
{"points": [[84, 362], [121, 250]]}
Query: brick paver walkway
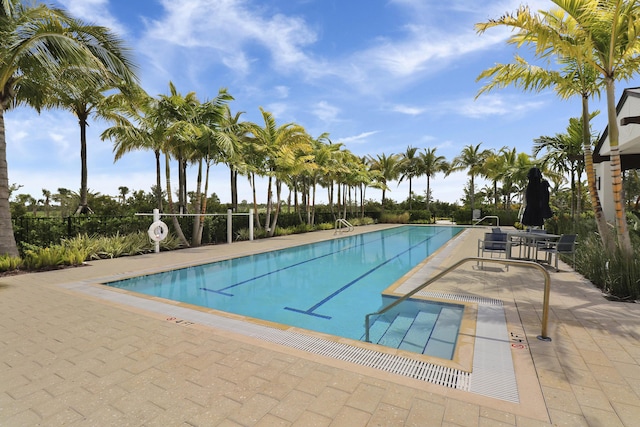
{"points": [[67, 358]]}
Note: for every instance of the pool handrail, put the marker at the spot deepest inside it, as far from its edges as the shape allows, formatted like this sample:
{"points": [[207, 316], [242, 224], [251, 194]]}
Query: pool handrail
{"points": [[340, 222], [545, 304], [478, 221]]}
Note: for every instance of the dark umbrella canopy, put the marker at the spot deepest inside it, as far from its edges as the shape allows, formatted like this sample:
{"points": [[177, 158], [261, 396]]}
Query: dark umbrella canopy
{"points": [[537, 200]]}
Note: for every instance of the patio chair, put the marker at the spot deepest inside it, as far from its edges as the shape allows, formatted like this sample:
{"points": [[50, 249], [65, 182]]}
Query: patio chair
{"points": [[494, 243], [565, 245]]}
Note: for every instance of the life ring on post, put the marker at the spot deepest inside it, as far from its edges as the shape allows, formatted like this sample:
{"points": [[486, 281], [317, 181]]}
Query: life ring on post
{"points": [[158, 231]]}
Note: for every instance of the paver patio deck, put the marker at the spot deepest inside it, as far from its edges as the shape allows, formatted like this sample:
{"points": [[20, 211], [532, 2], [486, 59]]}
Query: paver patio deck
{"points": [[71, 358]]}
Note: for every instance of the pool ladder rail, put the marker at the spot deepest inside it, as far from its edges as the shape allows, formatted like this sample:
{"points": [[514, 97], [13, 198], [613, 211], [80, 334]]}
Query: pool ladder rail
{"points": [[340, 223], [529, 264]]}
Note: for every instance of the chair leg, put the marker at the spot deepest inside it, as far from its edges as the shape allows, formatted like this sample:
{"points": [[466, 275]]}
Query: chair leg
{"points": [[557, 256]]}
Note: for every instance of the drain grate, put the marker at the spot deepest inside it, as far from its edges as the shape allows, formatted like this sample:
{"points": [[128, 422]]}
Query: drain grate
{"points": [[395, 364], [462, 298]]}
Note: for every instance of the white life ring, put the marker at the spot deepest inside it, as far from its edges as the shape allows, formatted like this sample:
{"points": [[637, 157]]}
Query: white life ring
{"points": [[158, 231]]}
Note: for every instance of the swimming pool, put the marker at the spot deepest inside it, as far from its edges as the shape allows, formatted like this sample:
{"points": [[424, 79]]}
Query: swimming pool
{"points": [[327, 286]]}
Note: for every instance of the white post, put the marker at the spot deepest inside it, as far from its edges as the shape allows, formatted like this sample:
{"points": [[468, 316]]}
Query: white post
{"points": [[250, 224], [229, 226], [156, 217]]}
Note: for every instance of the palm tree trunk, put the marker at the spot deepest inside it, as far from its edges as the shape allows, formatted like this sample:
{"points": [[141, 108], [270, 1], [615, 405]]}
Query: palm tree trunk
{"points": [[624, 240], [83, 207], [158, 180], [428, 190], [312, 210], [176, 223], [276, 210], [234, 188], [195, 235], [203, 209], [255, 200], [7, 239], [601, 222], [269, 204]]}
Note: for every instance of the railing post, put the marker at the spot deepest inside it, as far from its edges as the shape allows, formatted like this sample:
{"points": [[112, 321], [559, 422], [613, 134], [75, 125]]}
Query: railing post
{"points": [[229, 226], [250, 224], [156, 217]]}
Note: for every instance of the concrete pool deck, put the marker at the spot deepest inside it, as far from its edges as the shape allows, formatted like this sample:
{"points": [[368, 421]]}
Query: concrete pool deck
{"points": [[72, 358]]}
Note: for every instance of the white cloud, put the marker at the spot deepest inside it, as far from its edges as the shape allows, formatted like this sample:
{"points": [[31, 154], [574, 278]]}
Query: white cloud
{"points": [[489, 105], [231, 29], [94, 12], [326, 112], [410, 111], [361, 138]]}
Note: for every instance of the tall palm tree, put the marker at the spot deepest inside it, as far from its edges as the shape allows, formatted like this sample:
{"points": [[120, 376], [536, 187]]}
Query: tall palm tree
{"points": [[472, 158], [430, 164], [79, 93], [510, 165], [136, 126], [36, 42], [388, 168], [235, 130], [409, 168], [287, 147], [564, 155], [576, 78], [213, 143], [323, 150], [602, 35]]}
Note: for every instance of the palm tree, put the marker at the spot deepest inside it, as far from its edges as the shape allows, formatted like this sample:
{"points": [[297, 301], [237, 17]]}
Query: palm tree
{"points": [[235, 130], [601, 36], [287, 148], [137, 126], [388, 168], [46, 201], [564, 155], [575, 78], [36, 43], [78, 93], [430, 164], [409, 168], [472, 159], [123, 193], [214, 144]]}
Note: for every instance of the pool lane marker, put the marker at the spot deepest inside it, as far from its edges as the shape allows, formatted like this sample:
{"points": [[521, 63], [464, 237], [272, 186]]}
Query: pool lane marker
{"points": [[310, 311], [221, 291]]}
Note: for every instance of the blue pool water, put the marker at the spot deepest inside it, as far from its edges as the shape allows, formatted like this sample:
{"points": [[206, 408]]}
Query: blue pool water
{"points": [[327, 286]]}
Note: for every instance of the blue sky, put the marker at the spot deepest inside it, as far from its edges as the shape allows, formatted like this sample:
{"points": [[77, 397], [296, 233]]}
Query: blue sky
{"points": [[377, 75]]}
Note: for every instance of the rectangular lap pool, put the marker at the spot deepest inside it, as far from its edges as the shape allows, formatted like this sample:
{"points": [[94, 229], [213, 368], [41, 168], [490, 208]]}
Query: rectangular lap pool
{"points": [[327, 287]]}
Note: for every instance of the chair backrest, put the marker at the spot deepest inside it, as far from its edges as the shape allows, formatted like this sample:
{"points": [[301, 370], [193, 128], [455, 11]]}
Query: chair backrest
{"points": [[495, 241], [566, 243], [496, 230]]}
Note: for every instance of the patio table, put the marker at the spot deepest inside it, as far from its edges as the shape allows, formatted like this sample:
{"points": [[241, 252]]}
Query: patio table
{"points": [[529, 240]]}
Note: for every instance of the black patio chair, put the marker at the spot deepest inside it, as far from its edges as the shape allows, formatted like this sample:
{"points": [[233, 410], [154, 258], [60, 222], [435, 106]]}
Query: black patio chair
{"points": [[565, 245], [494, 243]]}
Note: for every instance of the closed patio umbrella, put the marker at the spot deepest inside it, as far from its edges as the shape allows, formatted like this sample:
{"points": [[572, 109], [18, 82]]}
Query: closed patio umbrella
{"points": [[537, 200]]}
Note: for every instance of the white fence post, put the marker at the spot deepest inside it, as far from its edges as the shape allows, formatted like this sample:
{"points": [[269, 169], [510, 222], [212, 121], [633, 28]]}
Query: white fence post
{"points": [[156, 217], [250, 224], [229, 226]]}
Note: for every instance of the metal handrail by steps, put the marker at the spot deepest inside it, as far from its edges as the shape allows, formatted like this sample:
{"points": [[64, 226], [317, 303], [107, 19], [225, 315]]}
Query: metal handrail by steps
{"points": [[342, 222], [530, 264]]}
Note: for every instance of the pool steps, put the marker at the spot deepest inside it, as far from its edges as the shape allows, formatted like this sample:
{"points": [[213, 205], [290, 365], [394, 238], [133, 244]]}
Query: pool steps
{"points": [[427, 333]]}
